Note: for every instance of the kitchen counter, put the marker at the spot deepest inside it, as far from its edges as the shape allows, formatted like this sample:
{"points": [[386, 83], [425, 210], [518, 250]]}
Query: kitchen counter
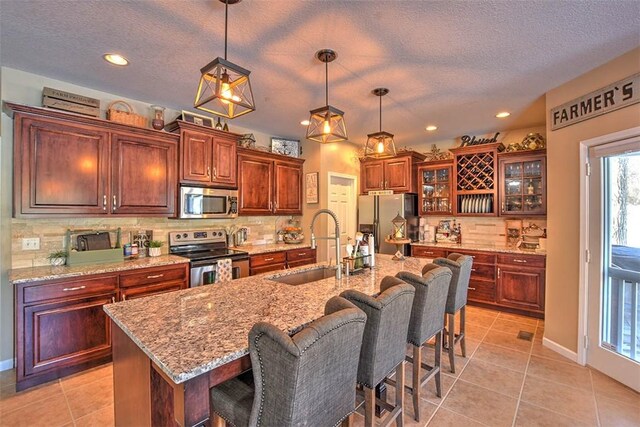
{"points": [[272, 247], [47, 272], [482, 247], [199, 329]]}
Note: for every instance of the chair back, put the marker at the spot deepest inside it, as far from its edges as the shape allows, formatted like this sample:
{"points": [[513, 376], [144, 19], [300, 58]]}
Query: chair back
{"points": [[460, 265], [309, 378], [427, 313], [384, 341]]}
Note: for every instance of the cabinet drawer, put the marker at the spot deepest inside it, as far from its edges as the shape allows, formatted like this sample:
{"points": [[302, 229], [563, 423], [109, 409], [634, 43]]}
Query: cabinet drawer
{"points": [[69, 289], [482, 258], [481, 290], [267, 268], [428, 252], [268, 258], [145, 291], [298, 254], [483, 272], [300, 263], [523, 260], [153, 275]]}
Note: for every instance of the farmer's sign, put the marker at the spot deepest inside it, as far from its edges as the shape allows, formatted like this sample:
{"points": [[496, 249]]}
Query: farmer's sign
{"points": [[617, 95]]}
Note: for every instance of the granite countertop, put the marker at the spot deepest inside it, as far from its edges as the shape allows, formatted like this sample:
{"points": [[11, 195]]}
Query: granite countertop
{"points": [[198, 329], [488, 247], [271, 247], [47, 272]]}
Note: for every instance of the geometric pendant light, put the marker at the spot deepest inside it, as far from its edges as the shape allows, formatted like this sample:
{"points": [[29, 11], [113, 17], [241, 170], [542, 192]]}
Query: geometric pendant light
{"points": [[225, 88], [380, 144], [326, 124]]}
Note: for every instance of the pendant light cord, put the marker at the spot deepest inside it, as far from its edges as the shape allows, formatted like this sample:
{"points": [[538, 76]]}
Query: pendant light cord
{"points": [[380, 113], [326, 82], [226, 20]]}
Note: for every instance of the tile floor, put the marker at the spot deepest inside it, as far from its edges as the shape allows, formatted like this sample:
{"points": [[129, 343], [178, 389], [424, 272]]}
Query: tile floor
{"points": [[502, 381]]}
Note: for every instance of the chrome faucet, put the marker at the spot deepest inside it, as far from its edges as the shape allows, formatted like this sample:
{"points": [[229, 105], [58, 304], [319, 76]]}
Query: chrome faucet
{"points": [[336, 238]]}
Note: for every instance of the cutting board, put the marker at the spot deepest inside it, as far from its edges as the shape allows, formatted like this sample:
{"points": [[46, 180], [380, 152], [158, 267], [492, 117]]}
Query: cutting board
{"points": [[94, 241]]}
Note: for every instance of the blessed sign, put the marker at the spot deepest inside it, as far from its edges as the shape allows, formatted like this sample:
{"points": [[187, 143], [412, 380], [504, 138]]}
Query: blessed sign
{"points": [[472, 140], [617, 95]]}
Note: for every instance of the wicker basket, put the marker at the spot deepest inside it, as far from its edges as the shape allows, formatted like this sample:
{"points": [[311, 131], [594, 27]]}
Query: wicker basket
{"points": [[126, 116]]}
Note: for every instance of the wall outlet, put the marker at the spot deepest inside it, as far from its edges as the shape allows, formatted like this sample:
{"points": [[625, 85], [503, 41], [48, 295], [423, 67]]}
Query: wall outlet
{"points": [[31, 244]]}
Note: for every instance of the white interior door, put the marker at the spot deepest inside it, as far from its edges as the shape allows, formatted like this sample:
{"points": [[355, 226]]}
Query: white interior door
{"points": [[342, 201], [613, 284]]}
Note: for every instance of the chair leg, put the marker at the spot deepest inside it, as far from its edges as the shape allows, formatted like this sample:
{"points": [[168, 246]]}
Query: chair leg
{"points": [[451, 341], [400, 393], [417, 365], [369, 406], [217, 420], [436, 365], [463, 345], [347, 422]]}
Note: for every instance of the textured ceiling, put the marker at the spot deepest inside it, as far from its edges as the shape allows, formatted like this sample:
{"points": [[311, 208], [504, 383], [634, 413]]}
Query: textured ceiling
{"points": [[450, 63]]}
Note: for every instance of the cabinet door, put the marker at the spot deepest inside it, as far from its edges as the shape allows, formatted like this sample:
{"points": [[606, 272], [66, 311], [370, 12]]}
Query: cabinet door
{"points": [[288, 188], [145, 291], [521, 287], [372, 176], [523, 186], [224, 163], [255, 187], [66, 333], [397, 174], [61, 168], [195, 162], [143, 175]]}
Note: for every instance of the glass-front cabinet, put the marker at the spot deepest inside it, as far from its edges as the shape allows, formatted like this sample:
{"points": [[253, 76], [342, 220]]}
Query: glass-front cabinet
{"points": [[434, 187], [523, 183]]}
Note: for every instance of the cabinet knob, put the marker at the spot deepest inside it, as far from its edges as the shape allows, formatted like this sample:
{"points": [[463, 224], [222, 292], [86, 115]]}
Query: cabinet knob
{"points": [[208, 171], [124, 297], [498, 272], [104, 202], [115, 203], [472, 289], [75, 288], [113, 300], [215, 173]]}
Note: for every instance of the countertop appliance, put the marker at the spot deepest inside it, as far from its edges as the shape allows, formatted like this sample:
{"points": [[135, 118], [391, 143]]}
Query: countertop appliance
{"points": [[197, 202], [205, 248], [375, 214]]}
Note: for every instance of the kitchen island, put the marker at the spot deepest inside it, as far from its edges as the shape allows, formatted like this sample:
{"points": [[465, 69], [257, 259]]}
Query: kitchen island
{"points": [[169, 349]]}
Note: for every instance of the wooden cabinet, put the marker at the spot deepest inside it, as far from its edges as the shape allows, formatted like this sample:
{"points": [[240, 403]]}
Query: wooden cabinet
{"points": [[61, 327], [70, 165], [523, 183], [395, 173], [427, 252], [300, 257], [207, 156], [274, 261], [269, 184], [435, 190]]}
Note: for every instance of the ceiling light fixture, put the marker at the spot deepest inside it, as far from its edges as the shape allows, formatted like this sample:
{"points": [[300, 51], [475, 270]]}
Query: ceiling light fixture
{"points": [[503, 114], [380, 144], [326, 124], [431, 128], [225, 88], [115, 59], [305, 122]]}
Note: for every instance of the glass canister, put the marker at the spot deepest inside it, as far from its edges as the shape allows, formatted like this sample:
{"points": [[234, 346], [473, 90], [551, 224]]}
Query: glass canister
{"points": [[157, 117]]}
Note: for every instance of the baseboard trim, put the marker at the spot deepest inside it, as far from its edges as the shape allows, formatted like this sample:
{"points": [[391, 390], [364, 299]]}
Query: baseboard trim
{"points": [[5, 365], [563, 351]]}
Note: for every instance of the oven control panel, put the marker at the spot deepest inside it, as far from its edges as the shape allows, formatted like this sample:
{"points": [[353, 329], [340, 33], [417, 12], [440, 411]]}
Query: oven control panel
{"points": [[177, 238]]}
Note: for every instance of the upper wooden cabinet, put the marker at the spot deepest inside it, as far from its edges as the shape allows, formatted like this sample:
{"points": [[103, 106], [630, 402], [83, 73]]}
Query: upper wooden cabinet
{"points": [[397, 173], [435, 191], [207, 156], [523, 183], [70, 165], [269, 184]]}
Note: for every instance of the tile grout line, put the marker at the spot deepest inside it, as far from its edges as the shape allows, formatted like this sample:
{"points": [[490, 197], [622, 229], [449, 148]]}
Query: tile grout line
{"points": [[595, 401], [66, 400], [524, 379]]}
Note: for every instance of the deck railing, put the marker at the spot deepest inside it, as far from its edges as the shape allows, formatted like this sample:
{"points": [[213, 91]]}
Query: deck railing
{"points": [[620, 317]]}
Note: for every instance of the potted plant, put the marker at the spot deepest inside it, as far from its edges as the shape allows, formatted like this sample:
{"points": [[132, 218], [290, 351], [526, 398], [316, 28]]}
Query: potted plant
{"points": [[58, 257], [154, 248]]}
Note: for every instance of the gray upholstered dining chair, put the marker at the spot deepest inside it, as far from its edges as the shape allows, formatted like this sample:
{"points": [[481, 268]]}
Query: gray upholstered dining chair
{"points": [[427, 321], [383, 343], [306, 379], [460, 265]]}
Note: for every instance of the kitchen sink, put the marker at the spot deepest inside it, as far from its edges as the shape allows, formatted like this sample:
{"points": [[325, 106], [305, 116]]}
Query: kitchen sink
{"points": [[307, 276]]}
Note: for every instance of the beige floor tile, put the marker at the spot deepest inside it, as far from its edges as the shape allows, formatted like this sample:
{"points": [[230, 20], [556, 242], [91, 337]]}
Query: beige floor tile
{"points": [[509, 326], [510, 359], [569, 401], [90, 397], [7, 377], [52, 412], [608, 387], [517, 318], [507, 340], [533, 416], [428, 356], [570, 374], [101, 418], [484, 311], [447, 418], [10, 400], [480, 404], [86, 377], [493, 377], [475, 332], [614, 413], [480, 319], [540, 350], [426, 410], [428, 391]]}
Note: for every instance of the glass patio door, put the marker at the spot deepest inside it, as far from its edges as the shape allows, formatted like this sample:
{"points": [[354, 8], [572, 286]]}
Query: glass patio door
{"points": [[614, 269]]}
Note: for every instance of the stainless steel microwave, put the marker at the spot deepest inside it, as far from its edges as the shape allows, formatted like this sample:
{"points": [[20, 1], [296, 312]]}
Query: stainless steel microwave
{"points": [[196, 202]]}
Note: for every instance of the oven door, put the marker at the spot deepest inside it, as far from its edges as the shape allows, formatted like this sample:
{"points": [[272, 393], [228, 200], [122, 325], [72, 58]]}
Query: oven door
{"points": [[204, 272], [198, 202]]}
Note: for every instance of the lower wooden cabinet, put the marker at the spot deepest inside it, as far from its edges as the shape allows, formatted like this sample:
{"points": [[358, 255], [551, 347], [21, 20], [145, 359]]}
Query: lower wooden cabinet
{"points": [[61, 327], [521, 287], [274, 261]]}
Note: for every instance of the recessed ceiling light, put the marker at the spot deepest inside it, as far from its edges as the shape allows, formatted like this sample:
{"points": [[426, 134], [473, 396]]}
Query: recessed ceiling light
{"points": [[503, 114], [431, 128], [305, 123], [115, 59]]}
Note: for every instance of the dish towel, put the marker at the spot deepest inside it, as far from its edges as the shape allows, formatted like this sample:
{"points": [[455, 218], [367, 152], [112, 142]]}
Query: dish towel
{"points": [[224, 272]]}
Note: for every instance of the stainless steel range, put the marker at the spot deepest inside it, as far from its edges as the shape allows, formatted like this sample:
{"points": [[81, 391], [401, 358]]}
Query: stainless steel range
{"points": [[205, 248]]}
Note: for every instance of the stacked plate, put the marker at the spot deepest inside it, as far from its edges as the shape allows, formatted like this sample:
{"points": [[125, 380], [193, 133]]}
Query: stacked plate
{"points": [[476, 203]]}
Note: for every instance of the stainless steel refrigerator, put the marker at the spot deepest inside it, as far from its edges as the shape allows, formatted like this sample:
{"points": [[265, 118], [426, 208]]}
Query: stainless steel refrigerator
{"points": [[375, 214]]}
